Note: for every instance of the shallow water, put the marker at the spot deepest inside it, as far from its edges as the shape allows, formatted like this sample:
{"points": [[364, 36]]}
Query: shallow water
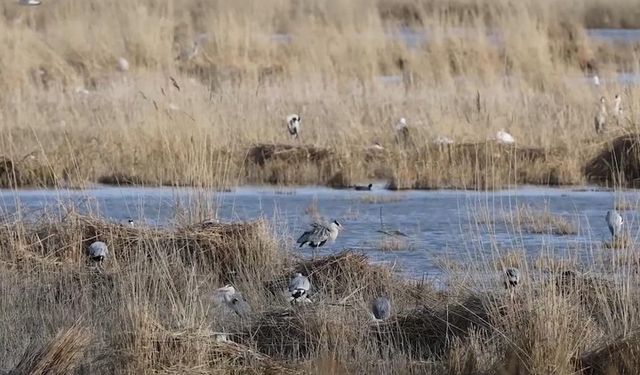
{"points": [[439, 224]]}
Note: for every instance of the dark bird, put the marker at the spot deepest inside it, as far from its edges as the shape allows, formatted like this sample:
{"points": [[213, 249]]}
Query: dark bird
{"points": [[363, 188]]}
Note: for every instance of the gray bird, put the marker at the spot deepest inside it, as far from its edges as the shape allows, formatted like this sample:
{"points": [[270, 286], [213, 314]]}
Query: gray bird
{"points": [[512, 277], [299, 287], [614, 222], [600, 121], [29, 2], [319, 234], [97, 251], [381, 308], [293, 125], [233, 300]]}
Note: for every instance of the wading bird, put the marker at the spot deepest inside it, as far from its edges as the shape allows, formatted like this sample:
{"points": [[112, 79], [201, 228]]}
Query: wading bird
{"points": [[402, 132], [299, 287], [293, 125], [614, 222], [234, 300], [381, 308], [600, 121], [97, 251], [362, 187], [617, 105], [319, 234], [512, 277]]}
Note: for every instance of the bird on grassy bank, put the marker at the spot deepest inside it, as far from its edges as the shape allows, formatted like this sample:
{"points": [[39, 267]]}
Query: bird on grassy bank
{"points": [[97, 252], [614, 222], [233, 299], [319, 234], [131, 223], [299, 287], [381, 308], [600, 121], [617, 105], [29, 2], [293, 125], [363, 187], [512, 277], [402, 135], [596, 80], [122, 64], [504, 138]]}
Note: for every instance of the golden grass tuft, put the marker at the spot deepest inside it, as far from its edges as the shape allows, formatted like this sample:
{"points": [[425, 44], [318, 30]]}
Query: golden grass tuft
{"points": [[538, 221], [61, 355]]}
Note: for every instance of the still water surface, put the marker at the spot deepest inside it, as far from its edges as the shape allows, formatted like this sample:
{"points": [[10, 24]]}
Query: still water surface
{"points": [[439, 224]]}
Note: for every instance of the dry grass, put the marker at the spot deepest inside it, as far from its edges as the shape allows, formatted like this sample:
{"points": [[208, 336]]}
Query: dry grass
{"points": [[150, 309], [541, 221], [218, 119]]}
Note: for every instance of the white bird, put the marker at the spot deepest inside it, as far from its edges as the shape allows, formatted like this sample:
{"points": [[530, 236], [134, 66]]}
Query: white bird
{"points": [[381, 308], [122, 64], [97, 251], [600, 121], [233, 299], [512, 277], [401, 124], [293, 125], [131, 223], [596, 80], [29, 2], [376, 146], [299, 287], [617, 105], [319, 234], [503, 137], [442, 140], [614, 222]]}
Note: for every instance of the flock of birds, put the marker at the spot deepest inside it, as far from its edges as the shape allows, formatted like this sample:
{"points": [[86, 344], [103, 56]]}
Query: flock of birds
{"points": [[402, 133], [600, 119], [299, 288]]}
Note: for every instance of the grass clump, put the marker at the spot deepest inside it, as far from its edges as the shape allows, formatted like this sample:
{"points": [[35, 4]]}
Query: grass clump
{"points": [[537, 221]]}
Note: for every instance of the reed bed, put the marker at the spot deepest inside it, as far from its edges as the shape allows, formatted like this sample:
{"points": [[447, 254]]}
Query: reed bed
{"points": [[154, 312], [71, 117]]}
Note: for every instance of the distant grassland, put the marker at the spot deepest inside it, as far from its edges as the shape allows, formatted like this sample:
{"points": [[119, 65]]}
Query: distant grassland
{"points": [[69, 117]]}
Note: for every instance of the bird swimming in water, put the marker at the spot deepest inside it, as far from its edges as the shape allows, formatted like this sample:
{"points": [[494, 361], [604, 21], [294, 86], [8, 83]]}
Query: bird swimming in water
{"points": [[293, 125], [319, 234], [363, 188]]}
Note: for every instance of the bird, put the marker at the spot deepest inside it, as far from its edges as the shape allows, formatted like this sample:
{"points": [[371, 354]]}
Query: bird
{"points": [[131, 223], [122, 64], [596, 80], [503, 137], [512, 277], [614, 222], [233, 300], [363, 188], [617, 105], [293, 125], [29, 2], [299, 287], [319, 234], [402, 131], [601, 118], [97, 251], [441, 140], [381, 308]]}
